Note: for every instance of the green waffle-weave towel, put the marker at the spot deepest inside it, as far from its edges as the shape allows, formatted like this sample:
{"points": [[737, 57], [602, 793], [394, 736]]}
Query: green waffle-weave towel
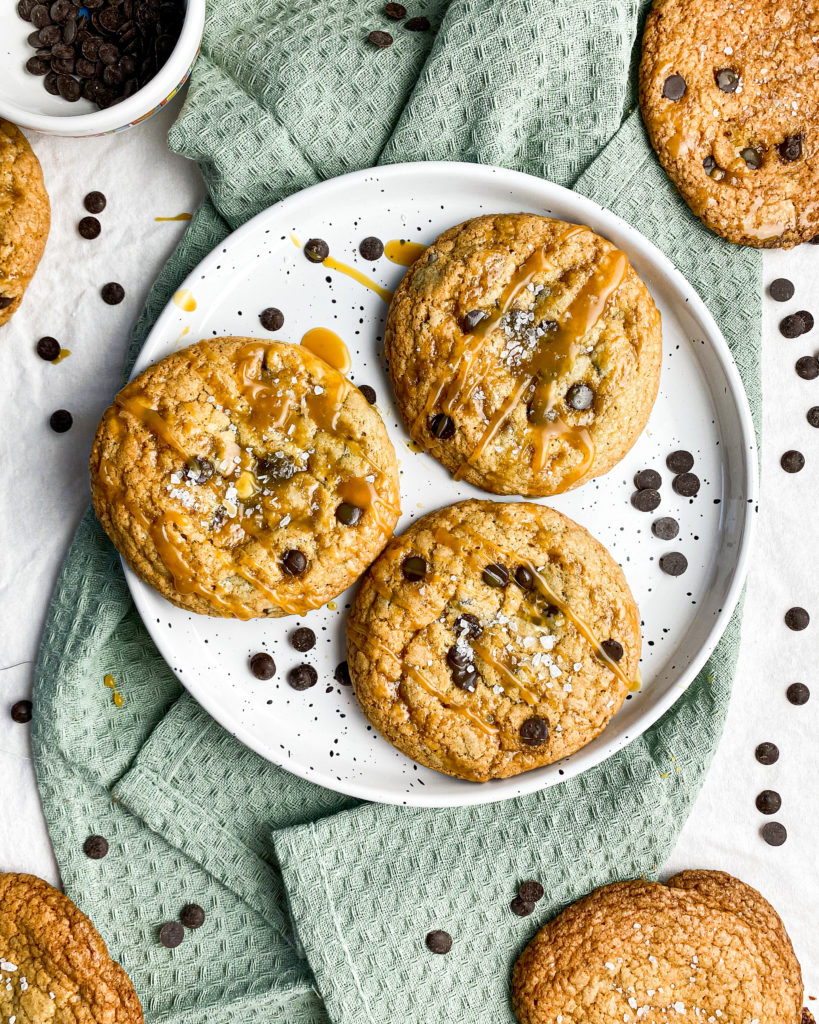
{"points": [[317, 906]]}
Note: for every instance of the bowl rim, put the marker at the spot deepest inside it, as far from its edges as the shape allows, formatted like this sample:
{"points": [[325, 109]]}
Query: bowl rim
{"points": [[144, 101]]}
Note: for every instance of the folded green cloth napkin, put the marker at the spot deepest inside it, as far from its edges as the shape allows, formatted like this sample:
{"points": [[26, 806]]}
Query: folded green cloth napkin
{"points": [[317, 906]]}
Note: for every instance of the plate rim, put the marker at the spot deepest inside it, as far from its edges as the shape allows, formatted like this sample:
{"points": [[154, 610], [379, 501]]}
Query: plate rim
{"points": [[529, 782]]}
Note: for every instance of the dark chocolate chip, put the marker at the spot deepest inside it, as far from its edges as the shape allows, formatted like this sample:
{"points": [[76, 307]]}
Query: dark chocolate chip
{"points": [[798, 694], [294, 562], [414, 568], [792, 461], [521, 907], [674, 563], [752, 157], [767, 753], [5, 301], [25, 7], [276, 467], [395, 11], [89, 227], [665, 528], [791, 326], [262, 666], [192, 916], [580, 397], [647, 478], [470, 320], [774, 833], [37, 66], [686, 484], [40, 16], [812, 415], [442, 427], [530, 891], [790, 148], [371, 248], [21, 711], [524, 578], [709, 164], [171, 934], [33, 38], [466, 678], [797, 619], [768, 801], [48, 36], [198, 469], [342, 674], [807, 367], [95, 202], [612, 649], [50, 83], [316, 250], [303, 639], [781, 289], [727, 80], [680, 461], [806, 319], [68, 87], [61, 421], [439, 941], [420, 24], [271, 319], [468, 625], [368, 393], [674, 87], [495, 575], [380, 40], [347, 514], [302, 677], [48, 348], [534, 731], [457, 657], [112, 293], [95, 847], [646, 500]]}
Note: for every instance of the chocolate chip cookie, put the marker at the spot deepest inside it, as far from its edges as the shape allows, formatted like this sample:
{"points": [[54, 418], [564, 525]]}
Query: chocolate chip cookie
{"points": [[730, 98], [492, 638], [245, 478], [54, 965], [704, 946], [25, 217], [525, 353]]}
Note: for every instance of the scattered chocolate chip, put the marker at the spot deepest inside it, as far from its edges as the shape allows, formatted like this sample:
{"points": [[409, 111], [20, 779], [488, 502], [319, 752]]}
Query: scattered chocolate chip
{"points": [[414, 568], [680, 461], [792, 461], [534, 731], [262, 666], [95, 847], [303, 639], [797, 619], [768, 801], [752, 157], [807, 367], [302, 677], [192, 916], [665, 528], [37, 66], [521, 907], [316, 250], [790, 148], [580, 397], [806, 318], [647, 478], [524, 578], [95, 202], [727, 80], [495, 575], [774, 833], [294, 562], [61, 421], [530, 891], [372, 248], [674, 563], [419, 24], [796, 324], [271, 319], [612, 649], [47, 36], [395, 11], [442, 426], [112, 293], [368, 393], [674, 87], [276, 467], [468, 625], [781, 289], [686, 484], [171, 934], [646, 500], [470, 320], [380, 40], [48, 348], [439, 941], [767, 753], [21, 711], [342, 674], [798, 694], [812, 416], [347, 514]]}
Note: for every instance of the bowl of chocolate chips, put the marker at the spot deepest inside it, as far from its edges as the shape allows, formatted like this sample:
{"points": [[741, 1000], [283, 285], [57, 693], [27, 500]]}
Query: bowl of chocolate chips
{"points": [[90, 67]]}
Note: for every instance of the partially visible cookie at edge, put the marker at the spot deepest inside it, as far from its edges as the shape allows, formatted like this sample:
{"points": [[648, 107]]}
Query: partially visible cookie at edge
{"points": [[54, 966], [730, 98], [25, 217]]}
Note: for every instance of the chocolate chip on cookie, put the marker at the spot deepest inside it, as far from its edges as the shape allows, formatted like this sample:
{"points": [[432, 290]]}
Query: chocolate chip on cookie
{"points": [[580, 397], [612, 649], [262, 666], [294, 562], [534, 731], [348, 514], [495, 575], [414, 568], [674, 87], [727, 80], [442, 427]]}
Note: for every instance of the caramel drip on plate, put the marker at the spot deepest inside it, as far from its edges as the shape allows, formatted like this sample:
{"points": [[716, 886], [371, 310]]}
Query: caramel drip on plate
{"points": [[402, 252], [327, 345], [343, 268], [179, 216], [64, 354], [185, 300]]}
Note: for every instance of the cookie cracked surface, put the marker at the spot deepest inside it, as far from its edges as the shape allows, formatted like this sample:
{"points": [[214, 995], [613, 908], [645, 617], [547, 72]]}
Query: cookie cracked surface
{"points": [[491, 638]]}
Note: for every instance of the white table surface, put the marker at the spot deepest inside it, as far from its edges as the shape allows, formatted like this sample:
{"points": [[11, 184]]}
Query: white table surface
{"points": [[44, 483]]}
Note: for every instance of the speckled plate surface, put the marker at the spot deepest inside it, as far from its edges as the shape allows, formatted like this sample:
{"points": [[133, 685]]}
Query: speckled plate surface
{"points": [[320, 734]]}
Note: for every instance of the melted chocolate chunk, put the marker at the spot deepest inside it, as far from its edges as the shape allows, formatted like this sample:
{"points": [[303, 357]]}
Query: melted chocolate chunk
{"points": [[612, 649], [727, 80], [495, 575], [674, 87], [534, 731], [347, 514], [414, 568], [467, 625], [442, 426], [470, 320], [276, 467], [524, 578], [790, 149], [294, 562]]}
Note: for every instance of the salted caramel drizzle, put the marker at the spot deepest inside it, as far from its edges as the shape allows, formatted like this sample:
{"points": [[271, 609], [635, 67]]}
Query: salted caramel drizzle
{"points": [[505, 671], [402, 252], [327, 345]]}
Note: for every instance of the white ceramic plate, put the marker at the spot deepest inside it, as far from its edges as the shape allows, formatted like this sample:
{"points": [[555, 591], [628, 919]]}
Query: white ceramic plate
{"points": [[320, 734]]}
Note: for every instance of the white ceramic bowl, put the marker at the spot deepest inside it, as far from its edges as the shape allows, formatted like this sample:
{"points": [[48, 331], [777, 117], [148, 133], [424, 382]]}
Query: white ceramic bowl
{"points": [[24, 101]]}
